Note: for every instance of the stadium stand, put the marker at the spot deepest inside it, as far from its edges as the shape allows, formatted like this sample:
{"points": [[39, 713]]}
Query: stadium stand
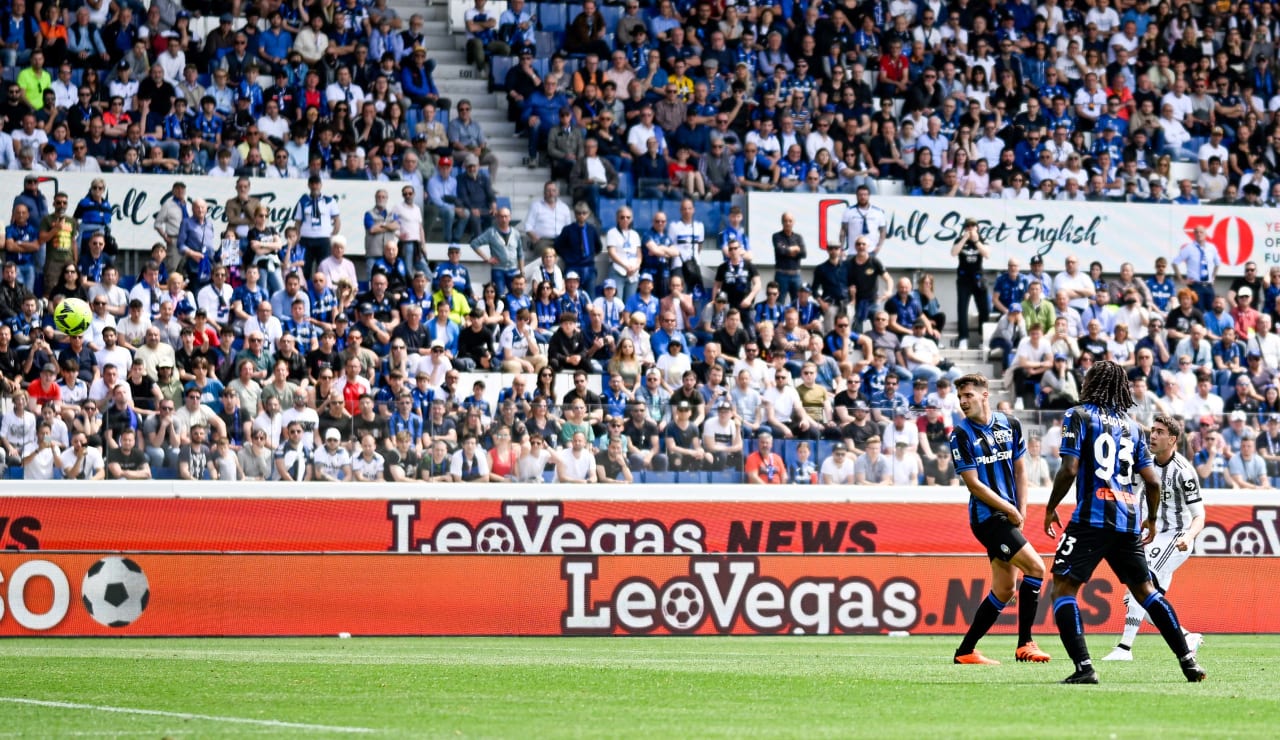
{"points": [[534, 276]]}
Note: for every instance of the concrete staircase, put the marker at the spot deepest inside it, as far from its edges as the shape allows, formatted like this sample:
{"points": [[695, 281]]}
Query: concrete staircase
{"points": [[456, 80]]}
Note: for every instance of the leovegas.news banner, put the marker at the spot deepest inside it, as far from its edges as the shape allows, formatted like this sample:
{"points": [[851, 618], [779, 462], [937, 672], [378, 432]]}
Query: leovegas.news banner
{"points": [[90, 566]]}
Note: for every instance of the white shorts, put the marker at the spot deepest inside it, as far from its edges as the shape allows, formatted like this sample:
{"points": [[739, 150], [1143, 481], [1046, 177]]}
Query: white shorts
{"points": [[1163, 557]]}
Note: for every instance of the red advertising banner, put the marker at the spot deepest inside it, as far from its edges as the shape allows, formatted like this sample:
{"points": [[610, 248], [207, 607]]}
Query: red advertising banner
{"points": [[96, 524], [243, 595]]}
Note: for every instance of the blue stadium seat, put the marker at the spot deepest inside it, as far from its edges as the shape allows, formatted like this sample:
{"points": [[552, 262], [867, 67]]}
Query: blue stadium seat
{"points": [[546, 40], [611, 13], [643, 210], [549, 476], [498, 69], [14, 472], [608, 214], [164, 474], [413, 117], [727, 476], [711, 214], [665, 477], [541, 65], [696, 479], [552, 17], [442, 116]]}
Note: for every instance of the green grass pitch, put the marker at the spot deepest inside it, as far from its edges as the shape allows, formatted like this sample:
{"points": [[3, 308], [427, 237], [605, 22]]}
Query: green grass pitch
{"points": [[799, 687]]}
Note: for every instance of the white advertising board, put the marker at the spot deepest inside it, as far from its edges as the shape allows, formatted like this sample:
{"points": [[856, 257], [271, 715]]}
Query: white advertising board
{"points": [[922, 230], [135, 199]]}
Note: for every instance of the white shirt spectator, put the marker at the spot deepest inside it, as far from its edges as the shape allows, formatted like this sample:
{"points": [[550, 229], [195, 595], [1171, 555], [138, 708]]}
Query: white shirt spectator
{"points": [[834, 473], [1079, 281], [351, 94], [784, 402], [216, 303], [546, 222], [817, 141], [989, 148], [1207, 150], [367, 469], [92, 461], [1106, 19], [1182, 106]]}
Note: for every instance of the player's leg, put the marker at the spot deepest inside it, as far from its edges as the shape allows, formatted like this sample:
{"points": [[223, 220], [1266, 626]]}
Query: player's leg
{"points": [[1163, 557], [1130, 565], [1028, 561], [986, 615], [1162, 571], [1002, 541], [1079, 552]]}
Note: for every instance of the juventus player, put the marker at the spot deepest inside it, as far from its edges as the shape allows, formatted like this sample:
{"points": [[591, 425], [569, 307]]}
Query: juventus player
{"points": [[1180, 519]]}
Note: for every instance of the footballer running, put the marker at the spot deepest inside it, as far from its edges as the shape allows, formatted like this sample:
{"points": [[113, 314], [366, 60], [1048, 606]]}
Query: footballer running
{"points": [[1104, 453], [1180, 519], [988, 449]]}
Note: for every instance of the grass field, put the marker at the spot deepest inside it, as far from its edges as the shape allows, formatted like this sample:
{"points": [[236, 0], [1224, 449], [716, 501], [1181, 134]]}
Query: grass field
{"points": [[648, 687]]}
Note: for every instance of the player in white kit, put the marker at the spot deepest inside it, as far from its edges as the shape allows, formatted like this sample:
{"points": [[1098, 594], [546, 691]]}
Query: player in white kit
{"points": [[1180, 519]]}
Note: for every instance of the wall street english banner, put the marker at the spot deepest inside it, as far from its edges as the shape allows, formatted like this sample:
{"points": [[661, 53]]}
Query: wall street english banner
{"points": [[135, 199], [518, 527], [94, 594], [922, 230]]}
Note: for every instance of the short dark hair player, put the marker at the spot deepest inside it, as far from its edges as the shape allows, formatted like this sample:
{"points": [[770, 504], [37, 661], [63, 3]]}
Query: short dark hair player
{"points": [[988, 449]]}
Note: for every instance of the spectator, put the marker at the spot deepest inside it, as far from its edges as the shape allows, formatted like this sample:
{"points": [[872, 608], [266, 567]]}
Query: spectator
{"points": [[871, 468]]}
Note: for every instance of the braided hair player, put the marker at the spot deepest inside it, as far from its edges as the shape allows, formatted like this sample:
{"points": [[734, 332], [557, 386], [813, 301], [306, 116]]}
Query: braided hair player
{"points": [[1105, 454]]}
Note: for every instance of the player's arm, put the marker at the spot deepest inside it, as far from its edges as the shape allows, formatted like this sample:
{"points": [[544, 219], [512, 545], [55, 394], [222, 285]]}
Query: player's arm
{"points": [[983, 493], [1061, 486], [1020, 486], [1151, 486], [1196, 506]]}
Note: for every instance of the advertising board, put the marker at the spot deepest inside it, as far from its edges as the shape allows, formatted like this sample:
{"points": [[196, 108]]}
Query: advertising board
{"points": [[635, 526], [146, 594], [922, 230]]}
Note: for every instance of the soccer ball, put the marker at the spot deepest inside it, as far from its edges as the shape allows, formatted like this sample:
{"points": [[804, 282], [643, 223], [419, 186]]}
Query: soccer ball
{"points": [[72, 317], [495, 537], [115, 591], [682, 605], [1247, 541]]}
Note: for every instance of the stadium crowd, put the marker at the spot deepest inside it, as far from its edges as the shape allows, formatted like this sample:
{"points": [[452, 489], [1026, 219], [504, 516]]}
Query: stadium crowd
{"points": [[242, 352]]}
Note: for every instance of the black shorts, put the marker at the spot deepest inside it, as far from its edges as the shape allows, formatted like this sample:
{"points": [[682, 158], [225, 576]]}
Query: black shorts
{"points": [[1083, 547], [1000, 537]]}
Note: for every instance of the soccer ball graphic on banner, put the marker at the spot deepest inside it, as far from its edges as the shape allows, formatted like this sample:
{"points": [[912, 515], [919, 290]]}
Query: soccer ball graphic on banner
{"points": [[682, 605], [72, 317], [115, 591]]}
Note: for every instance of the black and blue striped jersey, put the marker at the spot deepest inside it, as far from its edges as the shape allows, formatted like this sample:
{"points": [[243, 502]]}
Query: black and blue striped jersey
{"points": [[1111, 449], [990, 450]]}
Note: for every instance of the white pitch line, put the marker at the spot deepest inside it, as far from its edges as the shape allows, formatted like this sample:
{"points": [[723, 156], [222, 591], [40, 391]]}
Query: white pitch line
{"points": [[184, 715]]}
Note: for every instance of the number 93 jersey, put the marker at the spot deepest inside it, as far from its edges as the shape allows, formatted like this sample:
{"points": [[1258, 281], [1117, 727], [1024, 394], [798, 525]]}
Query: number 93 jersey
{"points": [[1111, 448]]}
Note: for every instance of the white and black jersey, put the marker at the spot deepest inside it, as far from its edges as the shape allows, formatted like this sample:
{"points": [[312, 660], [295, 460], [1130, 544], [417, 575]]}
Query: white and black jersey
{"points": [[1180, 500]]}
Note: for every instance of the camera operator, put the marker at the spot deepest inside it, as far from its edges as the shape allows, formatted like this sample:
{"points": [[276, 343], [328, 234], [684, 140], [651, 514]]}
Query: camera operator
{"points": [[971, 251]]}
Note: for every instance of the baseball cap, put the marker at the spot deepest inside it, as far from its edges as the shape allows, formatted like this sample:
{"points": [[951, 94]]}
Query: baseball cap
{"points": [[838, 447], [444, 162], [684, 406], [366, 307], [723, 404], [646, 276], [610, 283], [861, 405], [571, 275], [1015, 308], [676, 339], [437, 343], [806, 288], [49, 367], [1206, 420], [1246, 292], [1237, 415], [1273, 417], [1059, 356], [1037, 260], [722, 297], [333, 434]]}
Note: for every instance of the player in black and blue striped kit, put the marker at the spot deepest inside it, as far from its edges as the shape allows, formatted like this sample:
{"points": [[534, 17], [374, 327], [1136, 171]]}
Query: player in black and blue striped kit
{"points": [[1104, 452], [988, 449]]}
